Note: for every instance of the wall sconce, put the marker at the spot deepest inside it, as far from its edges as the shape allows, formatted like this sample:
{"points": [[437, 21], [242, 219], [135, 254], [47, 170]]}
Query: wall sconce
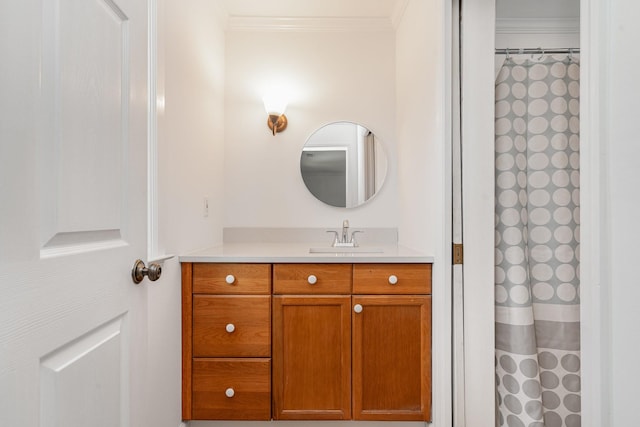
{"points": [[275, 106]]}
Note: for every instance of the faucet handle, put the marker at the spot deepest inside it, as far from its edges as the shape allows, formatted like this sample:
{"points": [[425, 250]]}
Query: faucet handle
{"points": [[335, 238], [353, 236]]}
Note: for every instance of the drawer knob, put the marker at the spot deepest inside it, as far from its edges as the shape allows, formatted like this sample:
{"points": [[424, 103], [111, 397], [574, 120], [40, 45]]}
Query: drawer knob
{"points": [[230, 327], [230, 392], [357, 308], [230, 279], [393, 279], [312, 279]]}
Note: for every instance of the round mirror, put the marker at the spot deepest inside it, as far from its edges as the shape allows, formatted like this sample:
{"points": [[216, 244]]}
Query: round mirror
{"points": [[343, 164]]}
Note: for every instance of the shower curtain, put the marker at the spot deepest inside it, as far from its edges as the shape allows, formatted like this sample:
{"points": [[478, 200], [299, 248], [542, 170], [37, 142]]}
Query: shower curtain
{"points": [[537, 292]]}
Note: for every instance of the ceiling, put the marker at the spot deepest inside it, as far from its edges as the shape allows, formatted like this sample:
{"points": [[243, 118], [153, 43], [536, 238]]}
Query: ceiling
{"points": [[546, 9], [505, 9], [312, 8]]}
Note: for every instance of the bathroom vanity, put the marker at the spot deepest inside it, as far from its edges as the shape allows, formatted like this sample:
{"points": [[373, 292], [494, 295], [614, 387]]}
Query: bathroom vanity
{"points": [[272, 331]]}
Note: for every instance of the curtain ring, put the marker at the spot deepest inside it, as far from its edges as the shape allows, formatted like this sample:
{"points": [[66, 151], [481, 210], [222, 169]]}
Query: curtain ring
{"points": [[570, 57], [541, 55], [508, 55]]}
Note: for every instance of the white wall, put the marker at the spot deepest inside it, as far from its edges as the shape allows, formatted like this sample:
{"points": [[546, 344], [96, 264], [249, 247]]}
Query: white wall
{"points": [[190, 164], [424, 184], [191, 127], [331, 76], [419, 115]]}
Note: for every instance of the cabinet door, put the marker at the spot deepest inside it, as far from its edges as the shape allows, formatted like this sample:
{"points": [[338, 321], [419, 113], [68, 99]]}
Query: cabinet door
{"points": [[392, 358], [312, 357]]}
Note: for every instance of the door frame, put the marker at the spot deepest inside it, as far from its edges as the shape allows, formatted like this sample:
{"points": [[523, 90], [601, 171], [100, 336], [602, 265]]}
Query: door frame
{"points": [[478, 224]]}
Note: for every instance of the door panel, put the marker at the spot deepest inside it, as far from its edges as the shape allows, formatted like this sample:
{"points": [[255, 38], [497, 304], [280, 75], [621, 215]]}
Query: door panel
{"points": [[74, 392], [85, 69], [312, 357], [392, 358]]}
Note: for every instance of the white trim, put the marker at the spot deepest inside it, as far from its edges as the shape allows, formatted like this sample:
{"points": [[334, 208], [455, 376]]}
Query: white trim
{"points": [[593, 112], [399, 9], [538, 26], [457, 297], [442, 304], [478, 76], [152, 132], [304, 24]]}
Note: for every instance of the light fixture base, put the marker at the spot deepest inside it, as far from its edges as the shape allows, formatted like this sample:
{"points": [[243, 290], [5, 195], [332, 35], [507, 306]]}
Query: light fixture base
{"points": [[277, 123]]}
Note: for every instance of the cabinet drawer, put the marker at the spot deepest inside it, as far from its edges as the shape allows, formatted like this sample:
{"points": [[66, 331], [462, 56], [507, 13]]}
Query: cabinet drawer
{"points": [[231, 278], [312, 278], [247, 381], [231, 326], [392, 279]]}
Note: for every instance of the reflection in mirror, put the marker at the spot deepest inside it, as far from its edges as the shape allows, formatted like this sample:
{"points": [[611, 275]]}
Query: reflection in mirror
{"points": [[343, 164]]}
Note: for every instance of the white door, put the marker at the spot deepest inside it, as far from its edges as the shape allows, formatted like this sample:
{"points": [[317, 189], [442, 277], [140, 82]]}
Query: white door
{"points": [[73, 136]]}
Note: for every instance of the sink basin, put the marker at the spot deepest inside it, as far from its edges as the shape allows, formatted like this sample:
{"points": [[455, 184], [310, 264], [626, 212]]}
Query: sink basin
{"points": [[346, 250]]}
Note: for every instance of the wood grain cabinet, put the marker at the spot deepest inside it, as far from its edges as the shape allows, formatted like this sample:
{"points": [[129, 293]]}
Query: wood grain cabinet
{"points": [[312, 341], [392, 342], [334, 342], [226, 325]]}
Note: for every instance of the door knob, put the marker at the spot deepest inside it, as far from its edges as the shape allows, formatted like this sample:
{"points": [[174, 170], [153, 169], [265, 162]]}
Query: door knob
{"points": [[140, 270]]}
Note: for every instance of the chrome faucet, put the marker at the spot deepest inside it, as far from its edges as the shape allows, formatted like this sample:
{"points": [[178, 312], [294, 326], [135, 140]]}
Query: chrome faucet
{"points": [[343, 240], [345, 231]]}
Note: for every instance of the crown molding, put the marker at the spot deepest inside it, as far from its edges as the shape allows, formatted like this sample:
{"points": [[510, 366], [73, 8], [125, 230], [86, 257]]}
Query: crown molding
{"points": [[398, 12], [303, 24], [538, 26]]}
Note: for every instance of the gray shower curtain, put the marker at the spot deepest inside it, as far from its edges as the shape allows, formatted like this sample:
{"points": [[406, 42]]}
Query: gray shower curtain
{"points": [[537, 293]]}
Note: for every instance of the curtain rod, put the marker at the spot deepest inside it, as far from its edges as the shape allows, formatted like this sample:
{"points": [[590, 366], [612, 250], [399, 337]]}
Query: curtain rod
{"points": [[536, 50]]}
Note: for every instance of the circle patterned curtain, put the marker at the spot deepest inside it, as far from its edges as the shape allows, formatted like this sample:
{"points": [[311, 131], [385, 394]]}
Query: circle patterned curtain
{"points": [[537, 292]]}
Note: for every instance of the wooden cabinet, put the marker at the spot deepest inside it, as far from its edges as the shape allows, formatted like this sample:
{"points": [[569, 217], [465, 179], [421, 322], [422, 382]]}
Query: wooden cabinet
{"points": [[328, 342], [384, 373], [226, 336], [312, 341], [392, 358], [392, 342]]}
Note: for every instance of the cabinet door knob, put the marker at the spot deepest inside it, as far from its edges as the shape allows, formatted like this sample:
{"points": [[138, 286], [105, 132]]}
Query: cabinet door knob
{"points": [[230, 392], [393, 279], [357, 308], [230, 327], [230, 279], [312, 279]]}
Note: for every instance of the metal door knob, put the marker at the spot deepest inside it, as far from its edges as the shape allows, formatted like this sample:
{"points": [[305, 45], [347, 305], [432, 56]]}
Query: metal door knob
{"points": [[140, 270], [357, 308], [393, 279], [230, 392], [312, 279]]}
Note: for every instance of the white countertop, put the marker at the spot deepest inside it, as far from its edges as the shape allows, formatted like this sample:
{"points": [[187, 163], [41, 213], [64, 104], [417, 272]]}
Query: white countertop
{"points": [[300, 253]]}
